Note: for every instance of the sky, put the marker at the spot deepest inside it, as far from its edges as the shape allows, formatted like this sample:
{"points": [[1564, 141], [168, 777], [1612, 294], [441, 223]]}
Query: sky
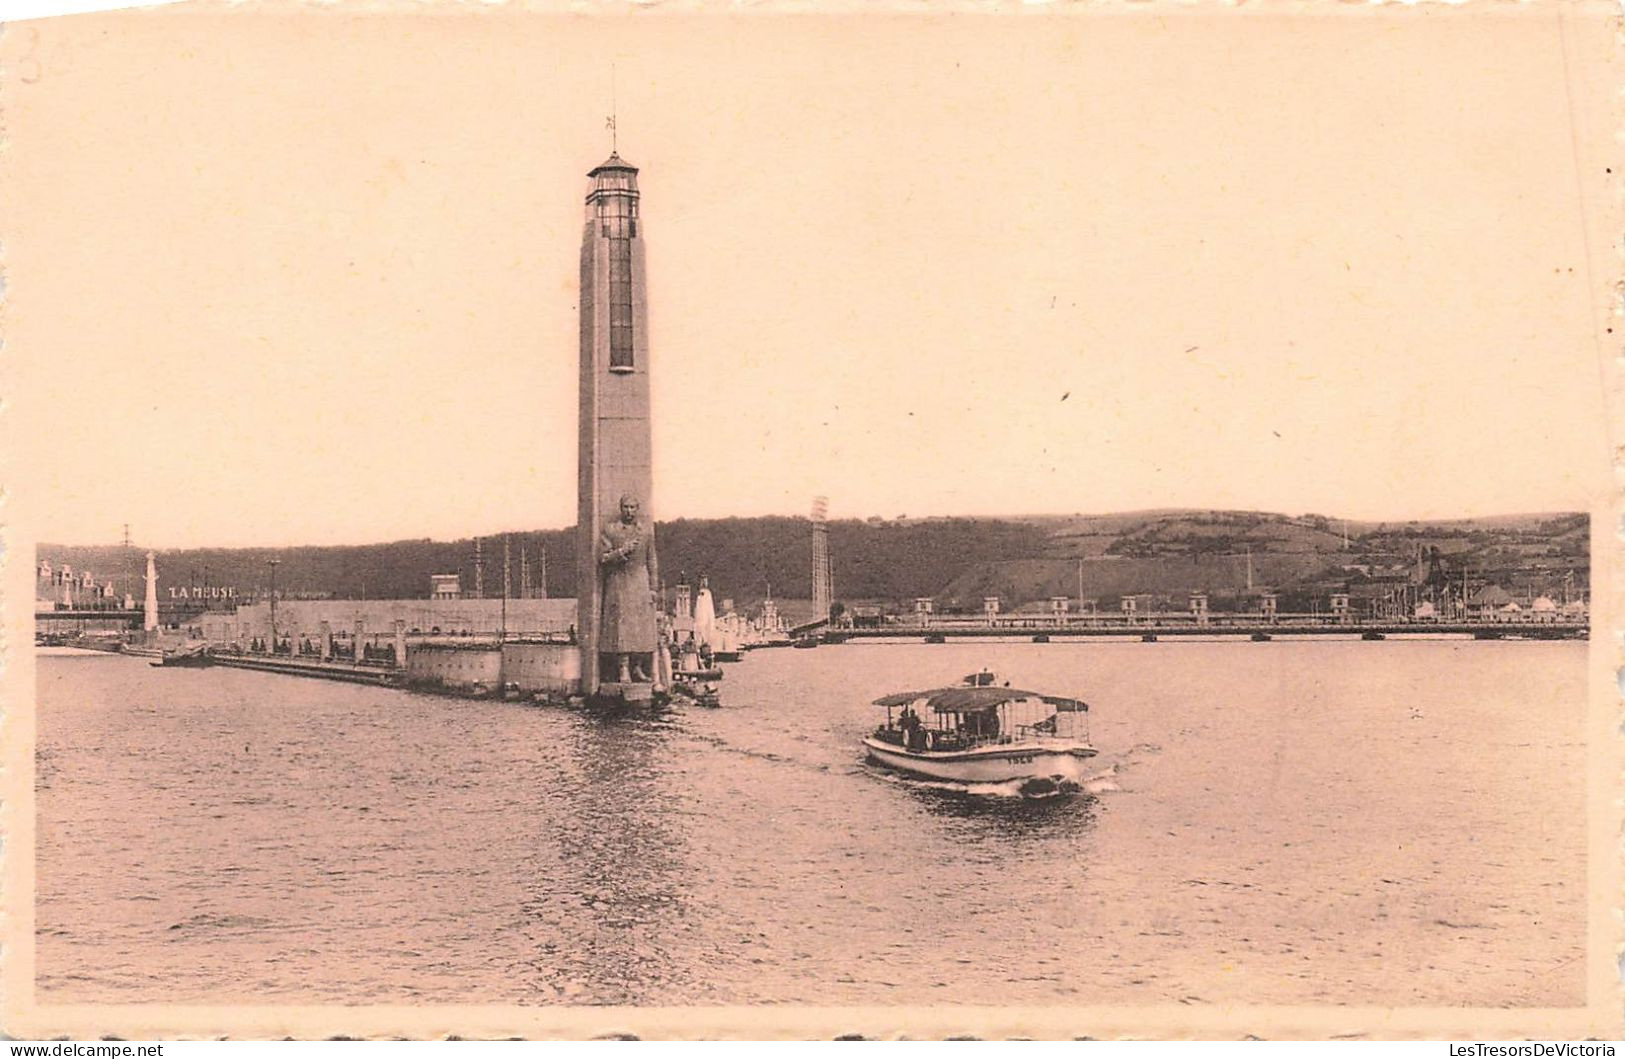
{"points": [[281, 277]]}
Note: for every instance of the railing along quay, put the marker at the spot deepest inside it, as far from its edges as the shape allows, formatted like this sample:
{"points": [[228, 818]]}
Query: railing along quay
{"points": [[351, 672], [1479, 630]]}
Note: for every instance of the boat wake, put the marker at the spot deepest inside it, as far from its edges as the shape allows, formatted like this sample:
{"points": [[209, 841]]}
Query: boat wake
{"points": [[1022, 789], [1101, 780], [1092, 782]]}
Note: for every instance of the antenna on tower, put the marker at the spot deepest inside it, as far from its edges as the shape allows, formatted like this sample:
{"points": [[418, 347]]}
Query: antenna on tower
{"points": [[129, 572], [614, 136], [502, 637]]}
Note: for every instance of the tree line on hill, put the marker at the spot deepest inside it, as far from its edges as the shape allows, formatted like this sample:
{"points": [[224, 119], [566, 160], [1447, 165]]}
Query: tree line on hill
{"points": [[746, 558]]}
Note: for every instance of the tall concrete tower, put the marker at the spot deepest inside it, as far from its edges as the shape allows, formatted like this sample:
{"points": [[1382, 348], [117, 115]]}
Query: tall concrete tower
{"points": [[614, 452], [149, 618], [823, 581]]}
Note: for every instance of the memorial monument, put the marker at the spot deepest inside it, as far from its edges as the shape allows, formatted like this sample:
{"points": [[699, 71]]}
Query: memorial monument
{"points": [[626, 559], [615, 548]]}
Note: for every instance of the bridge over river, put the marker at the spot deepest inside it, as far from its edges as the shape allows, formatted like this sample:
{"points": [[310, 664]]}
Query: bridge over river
{"points": [[108, 617]]}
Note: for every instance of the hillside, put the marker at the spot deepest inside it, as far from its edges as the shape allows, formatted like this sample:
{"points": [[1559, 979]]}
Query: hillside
{"points": [[956, 560]]}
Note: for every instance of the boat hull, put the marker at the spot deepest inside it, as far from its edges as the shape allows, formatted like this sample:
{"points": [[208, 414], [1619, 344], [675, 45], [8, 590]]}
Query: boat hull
{"points": [[196, 660], [991, 764]]}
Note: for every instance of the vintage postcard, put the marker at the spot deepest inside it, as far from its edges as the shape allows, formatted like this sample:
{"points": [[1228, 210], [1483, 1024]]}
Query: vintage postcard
{"points": [[795, 521]]}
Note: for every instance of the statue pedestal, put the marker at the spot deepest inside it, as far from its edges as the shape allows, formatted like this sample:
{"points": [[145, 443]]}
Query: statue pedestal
{"points": [[614, 693]]}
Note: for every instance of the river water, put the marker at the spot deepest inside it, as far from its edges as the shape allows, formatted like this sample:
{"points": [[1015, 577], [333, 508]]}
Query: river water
{"points": [[1393, 823]]}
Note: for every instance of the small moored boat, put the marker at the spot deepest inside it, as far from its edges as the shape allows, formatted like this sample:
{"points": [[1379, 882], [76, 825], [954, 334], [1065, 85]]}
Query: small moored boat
{"points": [[187, 655], [698, 692], [978, 732]]}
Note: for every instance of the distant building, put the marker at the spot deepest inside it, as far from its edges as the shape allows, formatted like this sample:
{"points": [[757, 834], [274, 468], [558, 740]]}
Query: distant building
{"points": [[445, 586], [61, 587], [1487, 603], [866, 615]]}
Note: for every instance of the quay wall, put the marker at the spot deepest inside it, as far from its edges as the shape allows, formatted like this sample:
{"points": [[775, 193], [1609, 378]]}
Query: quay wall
{"points": [[547, 668], [553, 669], [303, 619], [455, 667]]}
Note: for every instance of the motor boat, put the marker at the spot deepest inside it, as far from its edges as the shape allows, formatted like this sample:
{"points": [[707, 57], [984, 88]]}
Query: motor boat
{"points": [[981, 731]]}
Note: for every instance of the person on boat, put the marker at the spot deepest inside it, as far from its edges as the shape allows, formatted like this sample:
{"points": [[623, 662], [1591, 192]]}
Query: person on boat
{"points": [[626, 557], [910, 724]]}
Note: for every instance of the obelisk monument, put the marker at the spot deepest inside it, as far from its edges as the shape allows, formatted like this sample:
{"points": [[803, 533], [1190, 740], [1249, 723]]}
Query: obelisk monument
{"points": [[615, 617], [149, 616]]}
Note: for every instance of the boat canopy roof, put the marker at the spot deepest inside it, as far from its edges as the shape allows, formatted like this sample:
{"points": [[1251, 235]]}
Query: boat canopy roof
{"points": [[974, 700]]}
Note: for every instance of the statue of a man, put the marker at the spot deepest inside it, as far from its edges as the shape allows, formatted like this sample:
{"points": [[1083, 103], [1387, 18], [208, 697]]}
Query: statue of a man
{"points": [[626, 558]]}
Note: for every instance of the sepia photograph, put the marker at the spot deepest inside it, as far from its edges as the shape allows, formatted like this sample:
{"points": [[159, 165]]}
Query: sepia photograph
{"points": [[1051, 521]]}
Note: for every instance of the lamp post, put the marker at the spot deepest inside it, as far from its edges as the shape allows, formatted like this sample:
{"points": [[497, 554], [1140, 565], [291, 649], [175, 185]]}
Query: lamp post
{"points": [[273, 564]]}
